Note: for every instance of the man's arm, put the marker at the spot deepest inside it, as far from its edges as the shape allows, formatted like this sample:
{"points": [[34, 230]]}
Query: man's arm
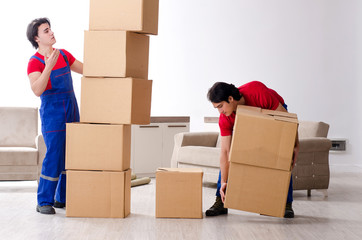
{"points": [[38, 80], [77, 67], [224, 163]]}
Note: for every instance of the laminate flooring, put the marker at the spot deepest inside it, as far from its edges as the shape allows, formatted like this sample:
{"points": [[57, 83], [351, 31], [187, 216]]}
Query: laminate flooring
{"points": [[338, 216]]}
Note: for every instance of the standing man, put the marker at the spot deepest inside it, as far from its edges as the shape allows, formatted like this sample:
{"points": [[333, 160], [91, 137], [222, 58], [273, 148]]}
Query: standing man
{"points": [[49, 72], [226, 97]]}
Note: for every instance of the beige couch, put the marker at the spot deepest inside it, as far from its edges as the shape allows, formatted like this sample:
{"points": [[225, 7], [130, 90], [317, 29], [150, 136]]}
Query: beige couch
{"points": [[202, 150], [312, 168], [22, 150]]}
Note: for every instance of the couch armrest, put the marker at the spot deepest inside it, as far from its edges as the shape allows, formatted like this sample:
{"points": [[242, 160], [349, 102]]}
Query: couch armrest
{"points": [[205, 139], [40, 145], [315, 144]]}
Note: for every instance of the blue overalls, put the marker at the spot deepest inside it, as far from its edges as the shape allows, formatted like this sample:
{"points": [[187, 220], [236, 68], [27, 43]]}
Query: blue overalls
{"points": [[58, 107], [290, 190]]}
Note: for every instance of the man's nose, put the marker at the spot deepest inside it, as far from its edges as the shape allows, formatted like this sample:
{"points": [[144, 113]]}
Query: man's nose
{"points": [[220, 110]]}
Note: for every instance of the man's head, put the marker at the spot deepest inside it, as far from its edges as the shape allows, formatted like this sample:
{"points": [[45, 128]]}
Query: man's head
{"points": [[224, 97], [39, 31]]}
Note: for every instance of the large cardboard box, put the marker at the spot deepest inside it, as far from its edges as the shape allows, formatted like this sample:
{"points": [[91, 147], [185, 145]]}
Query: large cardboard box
{"points": [[257, 189], [128, 15], [179, 193], [263, 138], [98, 147], [260, 160], [115, 54], [98, 194], [115, 100]]}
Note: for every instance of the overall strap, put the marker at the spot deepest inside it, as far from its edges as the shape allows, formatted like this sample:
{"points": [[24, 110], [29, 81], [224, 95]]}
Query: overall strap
{"points": [[64, 56], [38, 58]]}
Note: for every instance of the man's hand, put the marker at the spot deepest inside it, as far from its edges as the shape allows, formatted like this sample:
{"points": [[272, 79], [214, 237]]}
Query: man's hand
{"points": [[223, 191], [52, 59]]}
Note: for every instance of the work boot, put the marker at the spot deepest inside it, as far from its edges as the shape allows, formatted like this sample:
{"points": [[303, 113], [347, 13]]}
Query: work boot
{"points": [[59, 204], [47, 209], [217, 208], [289, 213]]}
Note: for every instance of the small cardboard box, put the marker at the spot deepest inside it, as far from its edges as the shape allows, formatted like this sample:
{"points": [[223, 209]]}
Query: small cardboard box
{"points": [[98, 194], [115, 54], [179, 193], [98, 147], [127, 15], [115, 100], [263, 138], [257, 189]]}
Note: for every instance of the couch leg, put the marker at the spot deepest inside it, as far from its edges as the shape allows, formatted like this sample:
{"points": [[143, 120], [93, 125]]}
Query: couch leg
{"points": [[309, 192]]}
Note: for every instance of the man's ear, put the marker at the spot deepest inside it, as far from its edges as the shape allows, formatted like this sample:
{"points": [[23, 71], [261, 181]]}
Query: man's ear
{"points": [[36, 39], [230, 99]]}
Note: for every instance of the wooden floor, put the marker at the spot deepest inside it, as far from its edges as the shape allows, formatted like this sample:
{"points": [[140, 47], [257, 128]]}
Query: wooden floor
{"points": [[338, 216]]}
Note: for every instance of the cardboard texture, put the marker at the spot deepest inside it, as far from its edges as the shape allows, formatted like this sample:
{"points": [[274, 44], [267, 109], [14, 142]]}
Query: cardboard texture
{"points": [[257, 189], [263, 138], [127, 15], [98, 147], [115, 100], [115, 54], [179, 193], [98, 194]]}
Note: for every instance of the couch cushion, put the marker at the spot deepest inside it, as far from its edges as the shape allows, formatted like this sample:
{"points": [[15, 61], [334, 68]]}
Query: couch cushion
{"points": [[18, 156], [18, 126], [204, 156], [18, 172]]}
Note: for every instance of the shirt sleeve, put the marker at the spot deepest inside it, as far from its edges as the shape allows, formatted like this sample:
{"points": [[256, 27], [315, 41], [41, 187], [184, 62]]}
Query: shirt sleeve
{"points": [[35, 66], [226, 129]]}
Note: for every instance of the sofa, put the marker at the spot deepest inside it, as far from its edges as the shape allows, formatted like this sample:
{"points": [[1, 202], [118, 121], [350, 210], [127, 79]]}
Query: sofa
{"points": [[22, 150], [202, 150], [311, 170]]}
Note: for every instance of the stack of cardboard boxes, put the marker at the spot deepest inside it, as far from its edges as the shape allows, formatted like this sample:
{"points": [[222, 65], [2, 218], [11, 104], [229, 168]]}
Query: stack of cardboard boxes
{"points": [[115, 93], [260, 160]]}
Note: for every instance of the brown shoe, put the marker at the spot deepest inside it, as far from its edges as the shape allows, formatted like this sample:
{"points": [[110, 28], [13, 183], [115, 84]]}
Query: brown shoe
{"points": [[217, 209]]}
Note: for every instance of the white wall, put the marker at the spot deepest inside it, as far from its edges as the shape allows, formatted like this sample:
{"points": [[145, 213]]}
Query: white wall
{"points": [[307, 50]]}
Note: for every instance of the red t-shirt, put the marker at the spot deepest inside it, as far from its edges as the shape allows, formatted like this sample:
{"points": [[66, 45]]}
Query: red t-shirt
{"points": [[256, 94], [35, 65]]}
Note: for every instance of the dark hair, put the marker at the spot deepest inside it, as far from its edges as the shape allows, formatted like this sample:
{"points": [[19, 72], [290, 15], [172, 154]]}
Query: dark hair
{"points": [[221, 91], [32, 30]]}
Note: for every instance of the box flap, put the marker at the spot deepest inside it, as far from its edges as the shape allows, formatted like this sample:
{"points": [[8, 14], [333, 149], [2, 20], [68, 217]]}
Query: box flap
{"points": [[279, 113]]}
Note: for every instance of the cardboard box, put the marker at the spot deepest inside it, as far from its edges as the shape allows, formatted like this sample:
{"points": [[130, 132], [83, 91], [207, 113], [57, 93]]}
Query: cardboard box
{"points": [[128, 15], [257, 189], [98, 194], [98, 147], [260, 160], [115, 100], [263, 138], [115, 54], [179, 193]]}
